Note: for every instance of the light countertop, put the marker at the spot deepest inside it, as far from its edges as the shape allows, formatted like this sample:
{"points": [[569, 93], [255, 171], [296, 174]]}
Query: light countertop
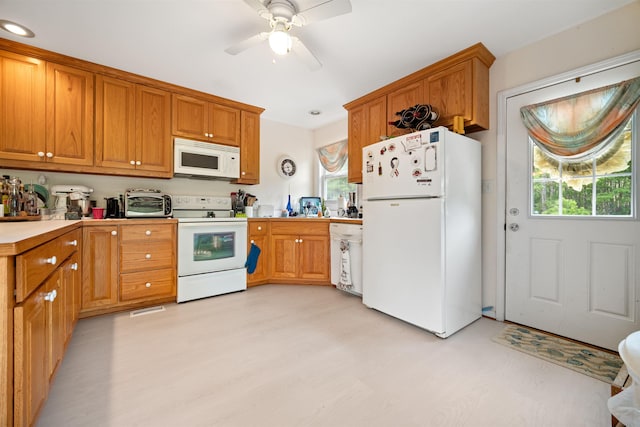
{"points": [[16, 237]]}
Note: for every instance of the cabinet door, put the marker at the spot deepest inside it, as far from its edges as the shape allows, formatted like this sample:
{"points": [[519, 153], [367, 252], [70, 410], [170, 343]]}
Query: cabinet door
{"points": [[376, 112], [284, 256], [115, 123], [190, 116], [450, 92], [30, 359], [249, 148], [357, 132], [69, 115], [259, 234], [399, 100], [55, 309], [22, 107], [72, 293], [314, 257], [224, 124], [100, 267], [154, 150]]}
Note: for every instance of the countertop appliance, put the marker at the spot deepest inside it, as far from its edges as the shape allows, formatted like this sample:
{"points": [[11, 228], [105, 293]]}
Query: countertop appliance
{"points": [[421, 238], [212, 247], [72, 195], [146, 203], [204, 160], [346, 256]]}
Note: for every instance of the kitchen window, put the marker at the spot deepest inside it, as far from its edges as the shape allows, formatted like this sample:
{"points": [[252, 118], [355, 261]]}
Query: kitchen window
{"points": [[334, 184]]}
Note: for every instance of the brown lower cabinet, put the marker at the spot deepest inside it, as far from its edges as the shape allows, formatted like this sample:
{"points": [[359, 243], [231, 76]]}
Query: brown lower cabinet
{"points": [[43, 319], [293, 251], [129, 264]]}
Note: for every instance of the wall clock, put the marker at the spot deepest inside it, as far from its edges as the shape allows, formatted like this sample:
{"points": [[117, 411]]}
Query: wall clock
{"points": [[286, 167]]}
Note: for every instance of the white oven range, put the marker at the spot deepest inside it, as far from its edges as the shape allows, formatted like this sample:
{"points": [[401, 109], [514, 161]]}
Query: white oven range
{"points": [[212, 247]]}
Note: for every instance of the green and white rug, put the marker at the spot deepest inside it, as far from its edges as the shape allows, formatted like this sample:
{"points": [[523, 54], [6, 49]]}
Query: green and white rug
{"points": [[572, 355]]}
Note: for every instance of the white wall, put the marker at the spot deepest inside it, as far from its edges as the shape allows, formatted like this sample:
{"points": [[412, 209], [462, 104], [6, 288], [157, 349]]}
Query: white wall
{"points": [[605, 37]]}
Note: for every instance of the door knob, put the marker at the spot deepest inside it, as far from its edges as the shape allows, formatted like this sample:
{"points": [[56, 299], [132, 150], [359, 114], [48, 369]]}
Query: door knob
{"points": [[514, 227]]}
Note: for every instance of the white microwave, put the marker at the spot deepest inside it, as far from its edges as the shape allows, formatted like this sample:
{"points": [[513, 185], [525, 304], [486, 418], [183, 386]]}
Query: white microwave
{"points": [[195, 159]]}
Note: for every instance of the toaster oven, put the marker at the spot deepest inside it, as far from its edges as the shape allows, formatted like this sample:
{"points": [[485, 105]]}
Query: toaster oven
{"points": [[147, 204]]}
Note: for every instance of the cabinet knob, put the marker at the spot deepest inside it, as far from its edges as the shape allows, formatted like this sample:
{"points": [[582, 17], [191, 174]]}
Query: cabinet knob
{"points": [[132, 162], [51, 260], [148, 256], [148, 232], [297, 240], [73, 243], [259, 228], [148, 285], [300, 240], [49, 154], [114, 233], [252, 242], [244, 173], [40, 153], [74, 266], [50, 296], [138, 162]]}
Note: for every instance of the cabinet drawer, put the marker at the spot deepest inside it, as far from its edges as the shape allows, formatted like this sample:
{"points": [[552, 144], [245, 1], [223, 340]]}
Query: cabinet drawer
{"points": [[258, 228], [301, 227], [146, 232], [147, 256], [33, 266], [148, 284]]}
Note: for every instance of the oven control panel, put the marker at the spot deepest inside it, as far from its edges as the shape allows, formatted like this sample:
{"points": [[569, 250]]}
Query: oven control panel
{"points": [[201, 202]]}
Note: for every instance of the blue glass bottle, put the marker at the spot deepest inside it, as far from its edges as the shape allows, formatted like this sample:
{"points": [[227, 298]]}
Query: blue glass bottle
{"points": [[289, 208]]}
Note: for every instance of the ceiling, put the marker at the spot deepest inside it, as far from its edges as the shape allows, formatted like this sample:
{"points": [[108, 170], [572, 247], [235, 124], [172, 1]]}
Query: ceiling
{"points": [[183, 42]]}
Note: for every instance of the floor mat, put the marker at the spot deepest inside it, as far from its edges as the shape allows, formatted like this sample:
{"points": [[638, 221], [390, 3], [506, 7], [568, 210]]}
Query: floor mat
{"points": [[572, 355]]}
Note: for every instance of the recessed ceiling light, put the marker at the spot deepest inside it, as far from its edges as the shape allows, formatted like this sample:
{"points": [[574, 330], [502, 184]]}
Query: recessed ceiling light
{"points": [[314, 112], [16, 29]]}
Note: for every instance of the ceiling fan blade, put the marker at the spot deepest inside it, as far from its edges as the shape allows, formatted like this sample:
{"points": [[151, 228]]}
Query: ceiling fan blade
{"points": [[324, 10], [246, 44], [305, 55], [260, 7]]}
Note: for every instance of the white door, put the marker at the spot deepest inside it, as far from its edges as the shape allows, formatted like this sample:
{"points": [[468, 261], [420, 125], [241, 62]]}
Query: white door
{"points": [[575, 276]]}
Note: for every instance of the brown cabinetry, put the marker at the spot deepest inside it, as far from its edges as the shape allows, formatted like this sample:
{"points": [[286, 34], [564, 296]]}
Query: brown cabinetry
{"points": [[204, 120], [133, 128], [300, 250], [41, 320], [366, 124], [455, 86], [22, 107], [128, 265], [259, 235], [249, 148]]}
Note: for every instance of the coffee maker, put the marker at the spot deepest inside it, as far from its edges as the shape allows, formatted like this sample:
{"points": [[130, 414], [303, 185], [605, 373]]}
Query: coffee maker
{"points": [[115, 207], [352, 208]]}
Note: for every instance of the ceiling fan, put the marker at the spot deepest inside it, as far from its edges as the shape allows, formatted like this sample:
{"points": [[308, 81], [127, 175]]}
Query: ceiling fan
{"points": [[282, 15]]}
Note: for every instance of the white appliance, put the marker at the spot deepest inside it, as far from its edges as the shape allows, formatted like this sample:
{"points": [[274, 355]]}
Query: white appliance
{"points": [[351, 234], [422, 236], [212, 247], [195, 159]]}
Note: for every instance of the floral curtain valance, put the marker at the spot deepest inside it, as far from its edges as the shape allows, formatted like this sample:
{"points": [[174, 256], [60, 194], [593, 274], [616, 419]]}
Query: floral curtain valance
{"points": [[333, 156], [579, 125]]}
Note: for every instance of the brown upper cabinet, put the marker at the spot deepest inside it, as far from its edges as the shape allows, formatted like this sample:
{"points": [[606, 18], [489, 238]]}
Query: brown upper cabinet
{"points": [[47, 112], [455, 86], [206, 121], [249, 148], [133, 125]]}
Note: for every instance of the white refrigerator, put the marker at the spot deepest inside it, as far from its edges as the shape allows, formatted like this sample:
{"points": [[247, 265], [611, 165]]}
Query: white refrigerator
{"points": [[421, 229]]}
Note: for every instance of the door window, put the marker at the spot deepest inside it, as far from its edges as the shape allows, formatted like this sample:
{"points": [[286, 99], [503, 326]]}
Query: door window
{"points": [[213, 246], [600, 184]]}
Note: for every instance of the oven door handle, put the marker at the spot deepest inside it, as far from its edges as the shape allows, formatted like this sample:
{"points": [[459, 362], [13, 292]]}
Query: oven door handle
{"points": [[209, 224]]}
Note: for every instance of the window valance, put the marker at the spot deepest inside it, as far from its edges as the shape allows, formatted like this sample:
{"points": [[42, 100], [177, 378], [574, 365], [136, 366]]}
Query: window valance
{"points": [[333, 156]]}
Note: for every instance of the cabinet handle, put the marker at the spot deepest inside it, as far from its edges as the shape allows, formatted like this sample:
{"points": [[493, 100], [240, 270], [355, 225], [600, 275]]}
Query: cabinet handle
{"points": [[132, 162], [74, 266], [114, 233], [297, 240], [148, 256], [148, 285], [73, 243], [40, 153], [138, 162], [148, 232], [50, 296], [49, 154], [51, 260], [244, 173], [259, 228], [252, 242]]}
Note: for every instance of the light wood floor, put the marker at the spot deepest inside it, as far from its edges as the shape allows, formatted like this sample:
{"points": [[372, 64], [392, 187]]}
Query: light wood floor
{"points": [[305, 356]]}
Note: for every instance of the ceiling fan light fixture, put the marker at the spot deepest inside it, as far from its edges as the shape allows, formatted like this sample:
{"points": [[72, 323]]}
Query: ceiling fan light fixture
{"points": [[280, 40]]}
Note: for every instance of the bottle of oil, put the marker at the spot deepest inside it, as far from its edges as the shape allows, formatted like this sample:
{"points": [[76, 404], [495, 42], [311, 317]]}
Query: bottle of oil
{"points": [[5, 194], [14, 200]]}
